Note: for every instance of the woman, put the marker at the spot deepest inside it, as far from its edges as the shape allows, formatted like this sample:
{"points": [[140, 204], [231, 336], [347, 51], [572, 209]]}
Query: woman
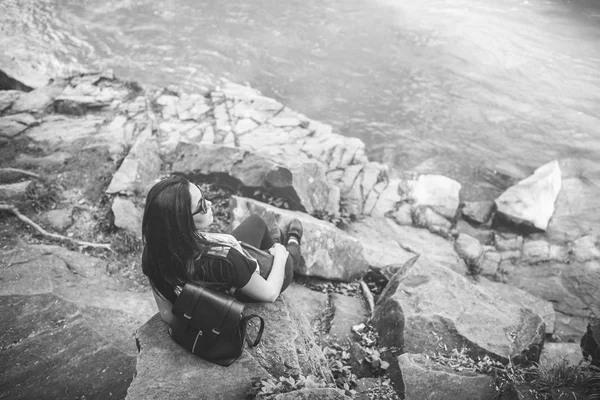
{"points": [[178, 251]]}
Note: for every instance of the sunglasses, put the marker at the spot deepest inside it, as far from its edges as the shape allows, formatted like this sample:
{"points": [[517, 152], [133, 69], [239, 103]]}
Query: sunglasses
{"points": [[202, 207]]}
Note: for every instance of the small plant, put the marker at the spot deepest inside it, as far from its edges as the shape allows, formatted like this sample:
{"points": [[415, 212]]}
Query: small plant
{"points": [[267, 388], [339, 360]]}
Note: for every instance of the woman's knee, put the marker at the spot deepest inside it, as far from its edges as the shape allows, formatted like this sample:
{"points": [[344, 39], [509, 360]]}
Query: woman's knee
{"points": [[256, 220]]}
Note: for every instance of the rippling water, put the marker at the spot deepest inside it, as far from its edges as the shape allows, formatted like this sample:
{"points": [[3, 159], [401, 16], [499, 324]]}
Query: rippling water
{"points": [[439, 85]]}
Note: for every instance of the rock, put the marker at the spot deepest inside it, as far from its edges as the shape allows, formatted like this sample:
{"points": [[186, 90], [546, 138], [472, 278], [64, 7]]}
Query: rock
{"points": [[572, 288], [127, 216], [511, 294], [348, 311], [436, 191], [59, 219], [569, 327], [46, 339], [536, 251], [115, 136], [556, 353], [383, 198], [427, 297], [425, 217], [38, 100], [577, 211], [376, 234], [63, 131], [509, 243], [287, 348], [412, 241], [139, 169], [489, 263], [313, 394], [586, 248], [14, 191], [426, 380], [468, 248], [310, 303], [329, 252], [88, 92], [402, 215], [531, 201], [302, 183], [13, 125], [479, 212], [51, 160], [8, 97], [66, 324], [483, 235]]}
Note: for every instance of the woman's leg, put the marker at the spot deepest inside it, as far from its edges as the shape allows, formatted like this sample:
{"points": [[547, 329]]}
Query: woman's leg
{"points": [[254, 231]]}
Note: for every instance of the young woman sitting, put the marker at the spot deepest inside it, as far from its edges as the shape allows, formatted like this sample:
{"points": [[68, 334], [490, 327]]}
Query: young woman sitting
{"points": [[178, 250]]}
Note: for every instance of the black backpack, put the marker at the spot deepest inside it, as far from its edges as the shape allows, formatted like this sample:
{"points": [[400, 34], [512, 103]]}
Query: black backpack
{"points": [[211, 324]]}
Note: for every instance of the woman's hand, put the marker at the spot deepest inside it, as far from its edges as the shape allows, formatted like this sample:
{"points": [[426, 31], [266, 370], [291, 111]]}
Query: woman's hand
{"points": [[279, 250]]}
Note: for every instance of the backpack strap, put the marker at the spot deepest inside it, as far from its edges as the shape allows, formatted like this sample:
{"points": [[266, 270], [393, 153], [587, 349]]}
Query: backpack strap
{"points": [[245, 320]]}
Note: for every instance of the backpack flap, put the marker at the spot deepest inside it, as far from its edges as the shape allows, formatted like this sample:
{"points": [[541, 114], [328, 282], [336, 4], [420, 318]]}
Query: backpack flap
{"points": [[209, 310]]}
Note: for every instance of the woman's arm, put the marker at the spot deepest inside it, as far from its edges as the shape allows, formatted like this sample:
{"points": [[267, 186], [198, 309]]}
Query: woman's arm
{"points": [[268, 290]]}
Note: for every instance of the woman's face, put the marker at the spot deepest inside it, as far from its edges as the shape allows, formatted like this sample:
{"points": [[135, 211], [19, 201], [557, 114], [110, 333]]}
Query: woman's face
{"points": [[201, 220]]}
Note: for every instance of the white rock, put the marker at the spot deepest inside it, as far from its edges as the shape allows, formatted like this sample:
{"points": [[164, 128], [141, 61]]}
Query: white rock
{"points": [[531, 201], [436, 191]]}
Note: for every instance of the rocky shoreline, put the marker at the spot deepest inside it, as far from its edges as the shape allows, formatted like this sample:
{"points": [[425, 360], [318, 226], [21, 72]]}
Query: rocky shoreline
{"points": [[506, 279]]}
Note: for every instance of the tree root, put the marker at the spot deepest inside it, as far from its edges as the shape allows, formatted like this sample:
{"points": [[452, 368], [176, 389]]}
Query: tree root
{"points": [[12, 209], [19, 171], [368, 296]]}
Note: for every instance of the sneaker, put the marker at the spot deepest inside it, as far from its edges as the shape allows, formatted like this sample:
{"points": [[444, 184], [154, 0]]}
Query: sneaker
{"points": [[276, 234], [295, 229]]}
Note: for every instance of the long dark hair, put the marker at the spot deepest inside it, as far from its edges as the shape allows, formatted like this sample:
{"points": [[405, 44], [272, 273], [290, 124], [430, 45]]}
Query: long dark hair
{"points": [[168, 230]]}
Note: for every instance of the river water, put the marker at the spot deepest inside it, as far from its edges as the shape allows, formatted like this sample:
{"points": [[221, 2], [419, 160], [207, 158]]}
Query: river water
{"points": [[448, 86]]}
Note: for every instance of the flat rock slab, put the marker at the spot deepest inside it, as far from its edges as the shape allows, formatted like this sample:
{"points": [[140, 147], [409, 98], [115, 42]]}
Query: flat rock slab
{"points": [[386, 243], [424, 379], [63, 131], [329, 252], [376, 234], [348, 311], [166, 370], [424, 296], [310, 303], [67, 327], [48, 347]]}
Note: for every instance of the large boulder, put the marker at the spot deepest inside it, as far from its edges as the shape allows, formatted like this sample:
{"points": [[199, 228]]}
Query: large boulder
{"points": [[166, 370], [577, 210], [328, 252], [302, 182], [512, 294], [531, 200], [380, 248], [425, 379], [385, 243], [424, 296], [572, 287], [67, 326]]}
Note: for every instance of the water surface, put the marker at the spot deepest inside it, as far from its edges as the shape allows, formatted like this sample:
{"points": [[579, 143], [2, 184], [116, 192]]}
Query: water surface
{"points": [[450, 86]]}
